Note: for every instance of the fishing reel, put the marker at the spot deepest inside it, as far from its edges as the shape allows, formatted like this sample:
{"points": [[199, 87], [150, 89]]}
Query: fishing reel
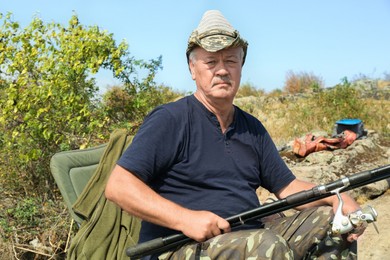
{"points": [[359, 219]]}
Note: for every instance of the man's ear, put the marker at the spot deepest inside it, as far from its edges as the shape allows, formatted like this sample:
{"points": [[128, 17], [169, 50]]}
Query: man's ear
{"points": [[192, 69]]}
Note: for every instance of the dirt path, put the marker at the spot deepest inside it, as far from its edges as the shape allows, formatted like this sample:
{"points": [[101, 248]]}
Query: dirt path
{"points": [[374, 246]]}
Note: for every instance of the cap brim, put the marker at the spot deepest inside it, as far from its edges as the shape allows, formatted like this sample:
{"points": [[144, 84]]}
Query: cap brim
{"points": [[214, 43]]}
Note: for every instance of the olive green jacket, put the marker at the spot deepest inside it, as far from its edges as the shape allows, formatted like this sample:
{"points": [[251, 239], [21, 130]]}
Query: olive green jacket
{"points": [[107, 230]]}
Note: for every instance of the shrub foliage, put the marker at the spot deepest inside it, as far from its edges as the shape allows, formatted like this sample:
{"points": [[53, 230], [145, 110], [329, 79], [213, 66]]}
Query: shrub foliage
{"points": [[48, 93]]}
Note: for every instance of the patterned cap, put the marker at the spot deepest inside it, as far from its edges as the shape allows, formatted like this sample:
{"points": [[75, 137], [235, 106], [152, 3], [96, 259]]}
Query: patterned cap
{"points": [[215, 33]]}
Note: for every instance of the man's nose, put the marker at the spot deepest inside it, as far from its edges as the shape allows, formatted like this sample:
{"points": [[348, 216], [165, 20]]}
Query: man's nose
{"points": [[221, 69]]}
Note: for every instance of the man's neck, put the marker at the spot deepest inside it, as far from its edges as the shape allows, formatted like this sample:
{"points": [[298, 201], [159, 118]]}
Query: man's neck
{"points": [[222, 109]]}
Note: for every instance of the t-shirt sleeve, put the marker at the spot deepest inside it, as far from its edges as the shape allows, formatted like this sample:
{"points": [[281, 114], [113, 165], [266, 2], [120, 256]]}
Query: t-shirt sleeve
{"points": [[275, 174], [154, 147]]}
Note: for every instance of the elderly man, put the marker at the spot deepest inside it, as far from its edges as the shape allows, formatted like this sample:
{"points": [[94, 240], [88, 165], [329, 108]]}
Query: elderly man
{"points": [[200, 159]]}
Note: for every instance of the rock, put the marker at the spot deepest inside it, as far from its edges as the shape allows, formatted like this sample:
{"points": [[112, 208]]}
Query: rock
{"points": [[37, 245], [326, 166], [314, 173], [320, 158]]}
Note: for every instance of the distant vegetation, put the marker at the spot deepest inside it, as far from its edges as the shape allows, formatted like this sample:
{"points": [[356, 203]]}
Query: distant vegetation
{"points": [[302, 82], [292, 115], [49, 102]]}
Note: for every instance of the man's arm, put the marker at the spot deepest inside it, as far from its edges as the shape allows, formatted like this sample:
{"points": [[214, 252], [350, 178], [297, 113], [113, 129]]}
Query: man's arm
{"points": [[135, 197], [350, 205]]}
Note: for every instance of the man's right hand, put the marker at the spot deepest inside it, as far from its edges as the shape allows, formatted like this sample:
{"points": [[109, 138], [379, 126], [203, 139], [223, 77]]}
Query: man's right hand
{"points": [[202, 225]]}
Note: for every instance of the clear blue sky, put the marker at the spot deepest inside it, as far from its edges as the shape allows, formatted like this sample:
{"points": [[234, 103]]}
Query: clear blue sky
{"points": [[331, 39]]}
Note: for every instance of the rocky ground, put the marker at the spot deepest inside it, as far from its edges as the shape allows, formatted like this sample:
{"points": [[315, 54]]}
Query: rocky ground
{"points": [[364, 154]]}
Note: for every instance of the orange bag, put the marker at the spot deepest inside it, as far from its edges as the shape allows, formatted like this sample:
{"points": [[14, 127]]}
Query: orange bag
{"points": [[314, 144]]}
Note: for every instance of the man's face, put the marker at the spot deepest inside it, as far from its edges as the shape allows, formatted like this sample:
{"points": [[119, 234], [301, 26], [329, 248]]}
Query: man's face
{"points": [[217, 74]]}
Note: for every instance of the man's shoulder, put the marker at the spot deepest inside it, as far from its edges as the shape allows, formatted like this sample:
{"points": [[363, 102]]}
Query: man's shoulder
{"points": [[247, 116], [175, 110], [176, 107], [178, 103], [250, 123]]}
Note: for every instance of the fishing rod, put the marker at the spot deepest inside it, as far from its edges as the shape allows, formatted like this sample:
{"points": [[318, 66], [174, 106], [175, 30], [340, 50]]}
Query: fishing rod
{"points": [[341, 224]]}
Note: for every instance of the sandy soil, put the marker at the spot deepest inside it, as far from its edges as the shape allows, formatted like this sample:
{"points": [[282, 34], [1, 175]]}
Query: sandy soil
{"points": [[374, 246]]}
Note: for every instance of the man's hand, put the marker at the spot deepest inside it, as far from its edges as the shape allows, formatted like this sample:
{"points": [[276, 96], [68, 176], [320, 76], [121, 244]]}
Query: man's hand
{"points": [[350, 206], [202, 225], [355, 233]]}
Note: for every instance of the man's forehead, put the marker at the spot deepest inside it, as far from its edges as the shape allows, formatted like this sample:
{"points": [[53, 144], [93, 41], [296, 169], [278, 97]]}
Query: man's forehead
{"points": [[229, 52]]}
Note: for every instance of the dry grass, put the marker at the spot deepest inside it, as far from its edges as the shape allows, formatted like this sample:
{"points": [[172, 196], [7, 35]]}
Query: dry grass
{"points": [[290, 116], [302, 82], [40, 229]]}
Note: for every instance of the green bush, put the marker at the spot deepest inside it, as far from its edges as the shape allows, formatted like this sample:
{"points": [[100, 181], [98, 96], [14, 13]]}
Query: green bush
{"points": [[322, 109], [127, 108], [48, 94], [25, 213], [342, 101]]}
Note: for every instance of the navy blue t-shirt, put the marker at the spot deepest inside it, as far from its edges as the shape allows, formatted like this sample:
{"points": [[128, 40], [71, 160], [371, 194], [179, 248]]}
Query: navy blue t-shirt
{"points": [[181, 153]]}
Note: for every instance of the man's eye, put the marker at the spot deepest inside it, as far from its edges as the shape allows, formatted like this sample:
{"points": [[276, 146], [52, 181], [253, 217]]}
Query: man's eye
{"points": [[210, 62]]}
